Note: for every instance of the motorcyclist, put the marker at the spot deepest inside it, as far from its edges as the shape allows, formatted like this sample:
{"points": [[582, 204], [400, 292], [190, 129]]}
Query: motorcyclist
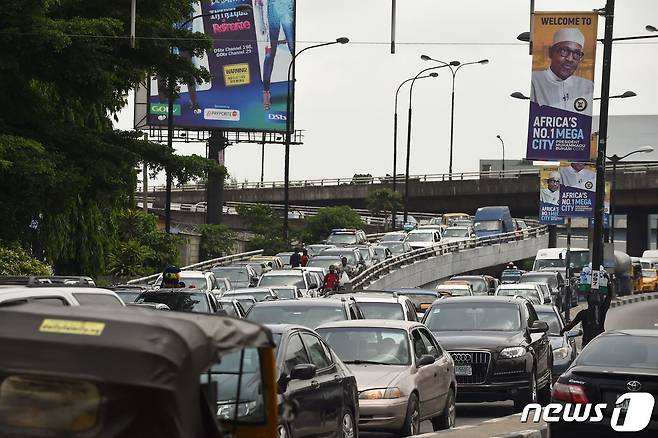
{"points": [[331, 280], [171, 278]]}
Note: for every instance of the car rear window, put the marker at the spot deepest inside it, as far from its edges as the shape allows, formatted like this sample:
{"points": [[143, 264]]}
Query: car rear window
{"points": [[621, 351], [97, 300], [382, 310], [304, 315], [179, 301]]}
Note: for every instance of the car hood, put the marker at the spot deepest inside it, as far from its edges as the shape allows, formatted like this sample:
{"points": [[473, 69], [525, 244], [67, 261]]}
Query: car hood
{"points": [[488, 340], [376, 376]]}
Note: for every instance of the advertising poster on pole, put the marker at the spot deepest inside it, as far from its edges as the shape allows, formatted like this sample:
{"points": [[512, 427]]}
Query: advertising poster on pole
{"points": [[549, 196], [577, 189], [253, 45], [564, 55]]}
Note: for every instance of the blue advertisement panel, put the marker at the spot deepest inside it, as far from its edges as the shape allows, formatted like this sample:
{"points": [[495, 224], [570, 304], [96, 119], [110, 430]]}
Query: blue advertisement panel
{"points": [[577, 189], [549, 196], [253, 45], [564, 54]]}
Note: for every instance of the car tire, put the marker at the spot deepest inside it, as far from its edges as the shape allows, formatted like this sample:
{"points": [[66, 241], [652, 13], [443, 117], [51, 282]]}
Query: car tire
{"points": [[346, 426], [527, 396], [447, 418], [412, 420], [283, 430], [544, 394]]}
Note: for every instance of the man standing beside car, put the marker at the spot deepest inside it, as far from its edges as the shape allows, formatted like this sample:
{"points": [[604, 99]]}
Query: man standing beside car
{"points": [[295, 259]]}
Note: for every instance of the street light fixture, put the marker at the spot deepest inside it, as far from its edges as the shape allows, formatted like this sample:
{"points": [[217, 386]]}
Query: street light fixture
{"points": [[624, 95], [411, 89], [651, 28], [452, 105], [395, 137], [503, 144], [616, 159], [289, 116]]}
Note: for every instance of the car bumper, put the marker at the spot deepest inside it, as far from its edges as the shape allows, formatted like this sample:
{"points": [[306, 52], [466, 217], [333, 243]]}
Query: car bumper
{"points": [[491, 391], [382, 414]]}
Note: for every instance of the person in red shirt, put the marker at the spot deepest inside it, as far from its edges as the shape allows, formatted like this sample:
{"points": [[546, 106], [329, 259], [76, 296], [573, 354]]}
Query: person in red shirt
{"points": [[305, 258], [331, 280]]}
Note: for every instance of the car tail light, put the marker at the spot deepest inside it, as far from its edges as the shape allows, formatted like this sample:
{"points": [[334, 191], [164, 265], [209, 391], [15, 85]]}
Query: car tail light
{"points": [[569, 393]]}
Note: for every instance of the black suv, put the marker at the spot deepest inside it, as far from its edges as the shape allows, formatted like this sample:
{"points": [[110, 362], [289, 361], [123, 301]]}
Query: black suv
{"points": [[500, 348]]}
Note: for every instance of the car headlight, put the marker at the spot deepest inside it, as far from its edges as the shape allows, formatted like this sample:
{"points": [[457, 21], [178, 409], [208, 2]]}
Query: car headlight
{"points": [[561, 353], [512, 352], [383, 393], [227, 411]]}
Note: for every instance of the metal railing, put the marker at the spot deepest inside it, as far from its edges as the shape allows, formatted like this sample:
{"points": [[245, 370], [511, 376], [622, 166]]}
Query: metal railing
{"points": [[202, 265], [382, 268], [507, 174]]}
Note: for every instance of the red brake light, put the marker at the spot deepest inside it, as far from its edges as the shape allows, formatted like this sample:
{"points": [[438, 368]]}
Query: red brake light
{"points": [[569, 393]]}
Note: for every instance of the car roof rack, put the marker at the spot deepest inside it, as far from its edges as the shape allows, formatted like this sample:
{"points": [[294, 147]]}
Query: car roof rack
{"points": [[48, 281]]}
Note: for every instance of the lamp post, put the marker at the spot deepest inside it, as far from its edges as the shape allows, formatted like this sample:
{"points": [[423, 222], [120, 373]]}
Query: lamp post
{"points": [[503, 144], [614, 160], [289, 116], [395, 137], [406, 174], [452, 104]]}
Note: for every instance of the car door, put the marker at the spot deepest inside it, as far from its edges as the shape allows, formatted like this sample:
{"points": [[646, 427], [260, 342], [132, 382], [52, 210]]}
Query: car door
{"points": [[329, 384], [442, 365], [426, 379], [303, 394], [539, 343]]}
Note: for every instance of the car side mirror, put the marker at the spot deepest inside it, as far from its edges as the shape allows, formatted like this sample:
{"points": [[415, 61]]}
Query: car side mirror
{"points": [[574, 333], [303, 371], [539, 327], [425, 359]]}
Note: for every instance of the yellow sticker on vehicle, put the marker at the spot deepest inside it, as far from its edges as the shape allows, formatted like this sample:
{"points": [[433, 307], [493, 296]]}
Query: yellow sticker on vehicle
{"points": [[236, 74], [69, 327]]}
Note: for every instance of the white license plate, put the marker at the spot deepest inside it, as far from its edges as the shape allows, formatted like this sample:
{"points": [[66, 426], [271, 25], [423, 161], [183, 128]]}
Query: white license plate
{"points": [[463, 370]]}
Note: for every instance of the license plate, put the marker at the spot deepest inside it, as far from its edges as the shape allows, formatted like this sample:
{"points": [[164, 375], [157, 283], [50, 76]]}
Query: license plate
{"points": [[463, 370], [623, 405]]}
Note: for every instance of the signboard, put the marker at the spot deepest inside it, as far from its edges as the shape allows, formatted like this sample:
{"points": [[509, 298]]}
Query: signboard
{"points": [[549, 196], [564, 52], [577, 189], [248, 64]]}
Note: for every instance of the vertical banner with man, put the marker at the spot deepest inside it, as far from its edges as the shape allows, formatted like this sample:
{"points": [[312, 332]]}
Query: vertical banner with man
{"points": [[577, 189], [549, 196], [564, 54]]}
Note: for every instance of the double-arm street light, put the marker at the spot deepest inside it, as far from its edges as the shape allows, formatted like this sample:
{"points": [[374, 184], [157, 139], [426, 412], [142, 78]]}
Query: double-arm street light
{"points": [[624, 95], [395, 138], [452, 105], [614, 160], [411, 89], [289, 116]]}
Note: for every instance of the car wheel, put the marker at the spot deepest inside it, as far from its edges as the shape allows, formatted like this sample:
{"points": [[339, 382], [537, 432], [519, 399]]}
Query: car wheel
{"points": [[447, 418], [527, 396], [544, 394], [346, 428], [283, 431], [412, 421]]}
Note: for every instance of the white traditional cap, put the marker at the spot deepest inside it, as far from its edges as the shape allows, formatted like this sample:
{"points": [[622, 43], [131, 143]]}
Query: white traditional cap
{"points": [[555, 176], [569, 34]]}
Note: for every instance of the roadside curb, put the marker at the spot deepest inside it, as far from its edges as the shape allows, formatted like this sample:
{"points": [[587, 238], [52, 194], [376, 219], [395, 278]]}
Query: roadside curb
{"points": [[634, 299], [531, 433]]}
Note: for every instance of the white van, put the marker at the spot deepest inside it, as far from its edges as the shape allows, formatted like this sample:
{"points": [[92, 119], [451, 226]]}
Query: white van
{"points": [[556, 258]]}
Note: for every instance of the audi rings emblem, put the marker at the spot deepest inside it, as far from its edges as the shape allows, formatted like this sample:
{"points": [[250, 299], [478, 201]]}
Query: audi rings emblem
{"points": [[634, 386], [462, 357]]}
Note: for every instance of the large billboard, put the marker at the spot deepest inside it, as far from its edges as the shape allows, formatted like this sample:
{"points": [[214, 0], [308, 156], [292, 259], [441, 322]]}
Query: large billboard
{"points": [[564, 54], [253, 45]]}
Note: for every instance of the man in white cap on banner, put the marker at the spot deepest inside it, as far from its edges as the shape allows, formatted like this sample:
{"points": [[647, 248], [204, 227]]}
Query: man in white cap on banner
{"points": [[551, 194], [557, 86]]}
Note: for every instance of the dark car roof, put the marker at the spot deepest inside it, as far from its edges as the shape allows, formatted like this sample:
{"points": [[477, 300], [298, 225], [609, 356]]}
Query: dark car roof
{"points": [[633, 332], [283, 328], [302, 302]]}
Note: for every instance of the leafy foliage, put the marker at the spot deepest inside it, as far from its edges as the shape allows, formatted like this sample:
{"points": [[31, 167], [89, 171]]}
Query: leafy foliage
{"points": [[129, 259], [216, 241], [17, 261], [266, 225], [319, 226], [383, 201]]}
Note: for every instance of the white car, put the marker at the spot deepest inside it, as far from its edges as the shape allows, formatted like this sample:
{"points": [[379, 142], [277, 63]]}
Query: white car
{"points": [[60, 296], [305, 281], [204, 280], [532, 291], [458, 234], [423, 238], [455, 290]]}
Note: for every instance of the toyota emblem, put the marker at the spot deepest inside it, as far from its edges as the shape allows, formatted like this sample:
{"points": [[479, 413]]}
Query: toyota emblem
{"points": [[634, 386]]}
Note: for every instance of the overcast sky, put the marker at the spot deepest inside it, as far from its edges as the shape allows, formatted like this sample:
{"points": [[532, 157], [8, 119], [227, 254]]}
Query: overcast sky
{"points": [[345, 93]]}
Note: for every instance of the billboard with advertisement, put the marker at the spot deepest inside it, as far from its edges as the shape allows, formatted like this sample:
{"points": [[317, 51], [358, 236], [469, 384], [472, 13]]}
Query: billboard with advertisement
{"points": [[253, 45], [549, 196], [577, 189], [564, 54]]}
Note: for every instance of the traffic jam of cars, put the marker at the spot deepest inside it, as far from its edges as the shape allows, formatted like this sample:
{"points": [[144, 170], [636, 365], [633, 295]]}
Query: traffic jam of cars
{"points": [[303, 354]]}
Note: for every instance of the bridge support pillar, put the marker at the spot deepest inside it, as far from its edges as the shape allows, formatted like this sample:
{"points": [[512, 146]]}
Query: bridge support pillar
{"points": [[637, 233], [552, 236], [215, 186]]}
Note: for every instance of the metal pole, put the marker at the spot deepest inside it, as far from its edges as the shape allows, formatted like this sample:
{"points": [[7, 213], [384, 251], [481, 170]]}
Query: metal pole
{"points": [[568, 280], [133, 14], [286, 171], [170, 148], [262, 162], [452, 122], [145, 186], [597, 238], [406, 173], [612, 201], [393, 27], [395, 157]]}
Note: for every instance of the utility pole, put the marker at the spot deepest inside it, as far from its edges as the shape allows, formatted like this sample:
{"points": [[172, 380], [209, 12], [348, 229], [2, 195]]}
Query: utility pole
{"points": [[145, 187], [215, 187]]}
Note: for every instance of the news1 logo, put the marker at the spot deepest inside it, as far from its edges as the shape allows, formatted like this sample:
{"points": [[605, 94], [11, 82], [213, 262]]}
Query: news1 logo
{"points": [[277, 117]]}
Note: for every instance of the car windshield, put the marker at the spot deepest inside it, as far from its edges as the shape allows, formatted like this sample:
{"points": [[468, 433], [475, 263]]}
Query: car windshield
{"points": [[195, 282], [365, 253], [479, 285], [454, 291], [258, 296], [420, 237], [623, 351], [97, 299], [284, 293], [349, 255], [513, 276], [529, 293], [323, 262], [395, 247], [179, 301], [486, 226], [382, 310], [237, 274], [539, 278], [127, 296], [368, 344], [282, 280], [549, 263], [393, 237], [342, 239], [307, 315], [455, 232], [315, 249], [480, 316], [553, 322], [649, 273]]}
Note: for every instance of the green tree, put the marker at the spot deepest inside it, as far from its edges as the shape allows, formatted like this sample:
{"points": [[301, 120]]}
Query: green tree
{"points": [[319, 226], [17, 261], [267, 227], [383, 201], [129, 259], [216, 241]]}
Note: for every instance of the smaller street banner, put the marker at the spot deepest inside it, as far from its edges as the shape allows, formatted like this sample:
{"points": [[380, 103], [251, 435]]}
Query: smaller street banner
{"points": [[549, 196], [562, 88], [577, 189]]}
